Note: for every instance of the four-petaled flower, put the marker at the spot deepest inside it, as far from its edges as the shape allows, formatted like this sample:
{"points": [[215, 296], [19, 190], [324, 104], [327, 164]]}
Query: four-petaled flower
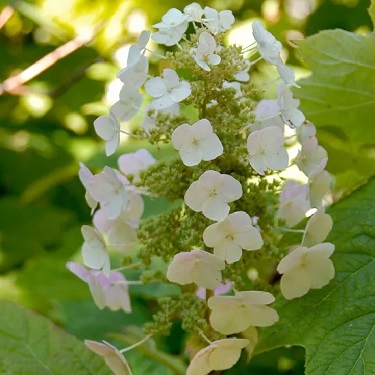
{"points": [[196, 142], [266, 150], [174, 24], [306, 268], [196, 266], [232, 235], [204, 54], [107, 291], [167, 90], [108, 188], [211, 193], [234, 314]]}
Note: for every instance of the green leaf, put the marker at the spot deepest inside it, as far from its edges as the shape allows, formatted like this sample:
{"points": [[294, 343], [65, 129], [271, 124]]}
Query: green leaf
{"points": [[336, 324], [371, 11], [341, 90], [31, 344]]}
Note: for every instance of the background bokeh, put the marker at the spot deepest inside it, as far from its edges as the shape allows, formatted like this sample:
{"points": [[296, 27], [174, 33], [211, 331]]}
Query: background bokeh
{"points": [[58, 63]]}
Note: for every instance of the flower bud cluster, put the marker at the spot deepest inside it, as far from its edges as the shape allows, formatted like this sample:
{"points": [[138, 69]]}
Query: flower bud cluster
{"points": [[228, 209]]}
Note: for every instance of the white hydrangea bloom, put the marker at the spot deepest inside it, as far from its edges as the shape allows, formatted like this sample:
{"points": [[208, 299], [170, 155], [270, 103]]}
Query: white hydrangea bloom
{"points": [[135, 162], [216, 21], [204, 55], [306, 268], [195, 12], [85, 175], [128, 105], [232, 235], [122, 231], [107, 128], [267, 113], [135, 73], [196, 266], [219, 355], [294, 203], [112, 357], [196, 142], [317, 228], [310, 155], [167, 90], [174, 24], [108, 188], [268, 47], [290, 113], [234, 314], [107, 291], [266, 150], [94, 250], [211, 193]]}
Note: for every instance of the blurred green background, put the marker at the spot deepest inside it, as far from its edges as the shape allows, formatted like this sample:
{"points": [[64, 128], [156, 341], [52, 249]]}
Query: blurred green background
{"points": [[47, 108]]}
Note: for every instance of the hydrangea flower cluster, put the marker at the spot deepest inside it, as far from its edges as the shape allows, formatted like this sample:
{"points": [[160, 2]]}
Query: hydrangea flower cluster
{"points": [[230, 206]]}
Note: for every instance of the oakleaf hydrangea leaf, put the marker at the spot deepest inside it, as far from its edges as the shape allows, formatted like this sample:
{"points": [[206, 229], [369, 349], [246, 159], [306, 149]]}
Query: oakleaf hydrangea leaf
{"points": [[336, 324], [341, 90], [31, 344]]}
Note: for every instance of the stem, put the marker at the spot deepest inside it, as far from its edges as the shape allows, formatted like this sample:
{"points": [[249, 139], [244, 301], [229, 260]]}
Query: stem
{"points": [[134, 265], [135, 345]]}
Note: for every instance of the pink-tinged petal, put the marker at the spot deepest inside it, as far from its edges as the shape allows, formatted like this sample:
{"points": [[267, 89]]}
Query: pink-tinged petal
{"points": [[78, 270]]}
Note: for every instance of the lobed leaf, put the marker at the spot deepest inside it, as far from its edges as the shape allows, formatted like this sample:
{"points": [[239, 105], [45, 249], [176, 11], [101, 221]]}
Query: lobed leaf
{"points": [[31, 344], [336, 324]]}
